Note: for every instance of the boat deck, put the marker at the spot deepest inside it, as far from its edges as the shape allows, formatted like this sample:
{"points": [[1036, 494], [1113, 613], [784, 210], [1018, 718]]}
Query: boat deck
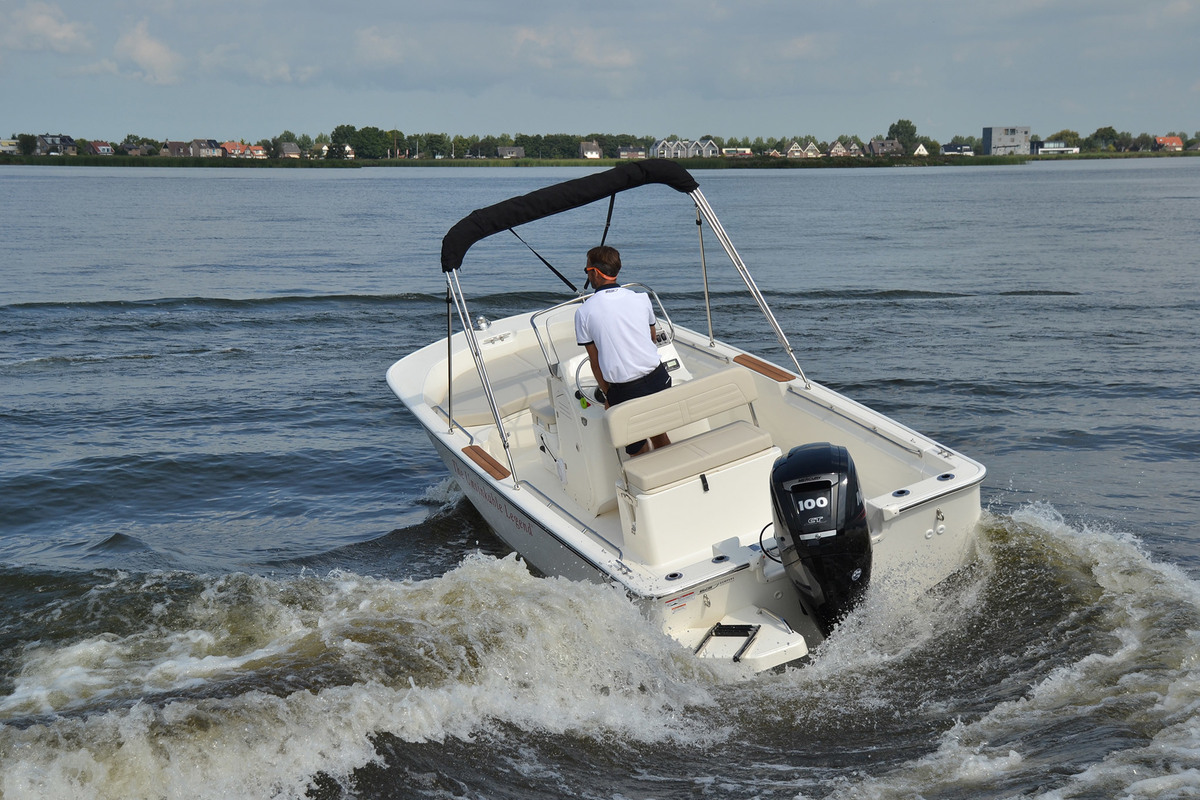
{"points": [[659, 518], [509, 406]]}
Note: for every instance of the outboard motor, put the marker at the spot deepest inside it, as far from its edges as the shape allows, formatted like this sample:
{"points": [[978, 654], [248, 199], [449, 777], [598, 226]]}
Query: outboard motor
{"points": [[821, 528]]}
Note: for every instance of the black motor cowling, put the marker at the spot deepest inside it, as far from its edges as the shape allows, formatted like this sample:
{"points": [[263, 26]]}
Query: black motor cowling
{"points": [[821, 528]]}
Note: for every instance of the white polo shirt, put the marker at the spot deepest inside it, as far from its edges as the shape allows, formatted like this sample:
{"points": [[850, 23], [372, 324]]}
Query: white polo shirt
{"points": [[618, 322]]}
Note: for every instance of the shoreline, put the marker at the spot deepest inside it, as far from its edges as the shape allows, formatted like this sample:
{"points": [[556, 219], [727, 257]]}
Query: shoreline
{"points": [[756, 162]]}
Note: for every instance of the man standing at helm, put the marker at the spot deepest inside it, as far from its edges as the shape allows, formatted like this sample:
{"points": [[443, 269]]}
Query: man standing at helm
{"points": [[617, 328]]}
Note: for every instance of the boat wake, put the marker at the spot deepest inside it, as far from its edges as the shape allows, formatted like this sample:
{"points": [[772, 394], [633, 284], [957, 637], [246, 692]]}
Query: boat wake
{"points": [[250, 686], [1060, 642]]}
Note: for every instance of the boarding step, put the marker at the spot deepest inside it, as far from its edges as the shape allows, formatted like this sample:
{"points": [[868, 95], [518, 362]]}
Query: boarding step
{"points": [[742, 636], [753, 636]]}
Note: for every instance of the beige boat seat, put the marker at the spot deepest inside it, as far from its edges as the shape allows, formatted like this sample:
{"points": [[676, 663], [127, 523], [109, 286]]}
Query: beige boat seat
{"points": [[518, 381], [682, 405]]}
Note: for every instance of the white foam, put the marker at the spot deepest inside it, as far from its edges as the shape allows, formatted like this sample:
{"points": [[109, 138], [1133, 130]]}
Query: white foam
{"points": [[445, 493], [485, 645], [202, 700], [1143, 679]]}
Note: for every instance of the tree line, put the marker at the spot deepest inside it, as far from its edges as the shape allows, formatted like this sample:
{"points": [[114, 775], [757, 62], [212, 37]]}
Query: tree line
{"points": [[374, 143]]}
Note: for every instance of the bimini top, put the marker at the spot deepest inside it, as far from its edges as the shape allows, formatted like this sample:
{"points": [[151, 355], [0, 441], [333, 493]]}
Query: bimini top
{"points": [[502, 216]]}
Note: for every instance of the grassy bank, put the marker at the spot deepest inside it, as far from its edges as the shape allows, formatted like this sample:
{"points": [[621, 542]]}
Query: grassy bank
{"points": [[167, 161]]}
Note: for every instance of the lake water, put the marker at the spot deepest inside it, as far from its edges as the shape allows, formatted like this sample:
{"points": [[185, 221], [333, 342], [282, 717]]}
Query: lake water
{"points": [[232, 566]]}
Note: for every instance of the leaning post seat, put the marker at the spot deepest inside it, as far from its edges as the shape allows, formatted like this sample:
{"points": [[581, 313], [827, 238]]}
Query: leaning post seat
{"points": [[699, 490]]}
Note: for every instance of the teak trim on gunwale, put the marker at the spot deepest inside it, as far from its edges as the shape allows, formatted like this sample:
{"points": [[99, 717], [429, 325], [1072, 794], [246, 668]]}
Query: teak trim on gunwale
{"points": [[763, 368], [484, 459]]}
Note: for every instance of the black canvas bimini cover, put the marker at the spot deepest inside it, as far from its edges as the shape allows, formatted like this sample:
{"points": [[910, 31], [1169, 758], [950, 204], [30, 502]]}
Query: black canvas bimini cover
{"points": [[483, 222]]}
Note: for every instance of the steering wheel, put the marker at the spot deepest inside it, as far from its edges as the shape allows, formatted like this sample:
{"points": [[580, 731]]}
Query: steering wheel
{"points": [[586, 386]]}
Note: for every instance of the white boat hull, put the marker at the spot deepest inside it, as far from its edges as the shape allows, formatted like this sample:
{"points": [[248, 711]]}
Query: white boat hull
{"points": [[690, 530], [921, 532]]}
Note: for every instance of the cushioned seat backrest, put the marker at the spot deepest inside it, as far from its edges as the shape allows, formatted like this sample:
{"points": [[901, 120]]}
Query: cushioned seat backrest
{"points": [[518, 380], [680, 405]]}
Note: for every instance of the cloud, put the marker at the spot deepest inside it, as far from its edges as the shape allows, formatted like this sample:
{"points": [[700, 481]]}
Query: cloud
{"points": [[43, 26], [809, 47], [758, 67], [105, 66], [550, 60], [229, 60], [157, 63], [912, 77], [451, 50], [374, 46], [556, 48]]}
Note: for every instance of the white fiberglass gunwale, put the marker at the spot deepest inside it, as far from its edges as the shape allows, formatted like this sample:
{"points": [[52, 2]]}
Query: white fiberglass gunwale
{"points": [[689, 529], [901, 468]]}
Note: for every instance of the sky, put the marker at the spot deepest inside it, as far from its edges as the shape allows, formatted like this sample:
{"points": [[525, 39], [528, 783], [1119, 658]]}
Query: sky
{"points": [[251, 69]]}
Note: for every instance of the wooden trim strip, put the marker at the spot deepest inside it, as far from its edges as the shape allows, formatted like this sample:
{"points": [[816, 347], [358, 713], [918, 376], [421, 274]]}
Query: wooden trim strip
{"points": [[763, 368], [484, 459]]}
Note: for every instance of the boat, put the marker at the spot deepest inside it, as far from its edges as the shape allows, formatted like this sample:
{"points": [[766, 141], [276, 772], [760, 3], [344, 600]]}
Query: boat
{"points": [[777, 504]]}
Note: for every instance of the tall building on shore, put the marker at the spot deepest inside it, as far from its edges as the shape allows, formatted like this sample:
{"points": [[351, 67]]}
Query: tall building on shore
{"points": [[1006, 141]]}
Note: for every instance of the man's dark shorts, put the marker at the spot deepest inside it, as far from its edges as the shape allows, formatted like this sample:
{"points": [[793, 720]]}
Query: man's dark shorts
{"points": [[657, 380]]}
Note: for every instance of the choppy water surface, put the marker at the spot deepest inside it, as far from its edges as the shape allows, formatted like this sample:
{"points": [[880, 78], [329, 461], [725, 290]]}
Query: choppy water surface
{"points": [[232, 566]]}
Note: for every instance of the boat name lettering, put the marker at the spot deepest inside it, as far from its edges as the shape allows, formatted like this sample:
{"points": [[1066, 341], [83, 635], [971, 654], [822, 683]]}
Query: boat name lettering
{"points": [[492, 499]]}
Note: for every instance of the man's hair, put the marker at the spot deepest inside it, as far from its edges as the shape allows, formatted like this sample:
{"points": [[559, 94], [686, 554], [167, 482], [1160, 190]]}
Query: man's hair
{"points": [[606, 259]]}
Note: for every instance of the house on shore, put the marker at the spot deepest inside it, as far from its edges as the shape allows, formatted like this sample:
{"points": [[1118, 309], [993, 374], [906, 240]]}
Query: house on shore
{"points": [[669, 148], [205, 148], [809, 150], [56, 144], [1172, 144], [839, 149], [590, 150], [510, 152], [885, 147], [1040, 148], [347, 152], [1000, 141], [196, 148], [685, 148]]}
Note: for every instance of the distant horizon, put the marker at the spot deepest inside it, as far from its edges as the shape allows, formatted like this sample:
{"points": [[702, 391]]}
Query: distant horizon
{"points": [[1034, 135], [668, 68]]}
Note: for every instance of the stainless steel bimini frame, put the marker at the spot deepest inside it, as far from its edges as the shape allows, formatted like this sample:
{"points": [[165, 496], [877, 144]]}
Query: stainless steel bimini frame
{"points": [[455, 297], [710, 217]]}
